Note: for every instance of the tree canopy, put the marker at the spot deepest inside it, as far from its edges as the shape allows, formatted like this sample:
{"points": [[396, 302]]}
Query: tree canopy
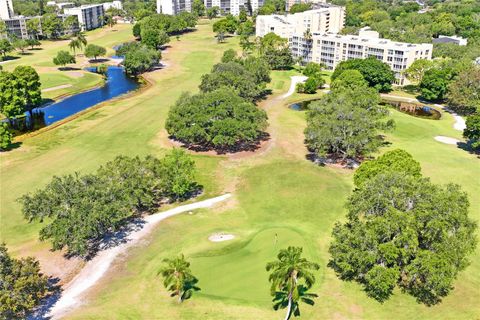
{"points": [[218, 119], [82, 209], [138, 58], [344, 124], [19, 91], [377, 73], [22, 285], [248, 84], [63, 58], [94, 51], [464, 92], [402, 230], [396, 160], [472, 130]]}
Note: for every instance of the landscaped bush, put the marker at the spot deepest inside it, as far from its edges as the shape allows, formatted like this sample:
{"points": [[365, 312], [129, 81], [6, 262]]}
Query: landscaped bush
{"points": [[219, 119], [81, 209]]}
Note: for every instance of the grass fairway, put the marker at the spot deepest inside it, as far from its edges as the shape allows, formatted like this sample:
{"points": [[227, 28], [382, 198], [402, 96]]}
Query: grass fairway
{"points": [[276, 191]]}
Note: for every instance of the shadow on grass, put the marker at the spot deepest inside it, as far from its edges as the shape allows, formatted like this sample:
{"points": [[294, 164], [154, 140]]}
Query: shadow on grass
{"points": [[240, 147], [98, 60], [42, 311], [467, 146], [8, 58], [69, 68], [12, 146]]}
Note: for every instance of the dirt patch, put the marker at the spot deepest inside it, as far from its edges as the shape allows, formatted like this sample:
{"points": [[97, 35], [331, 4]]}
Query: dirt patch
{"points": [[75, 74], [62, 86]]}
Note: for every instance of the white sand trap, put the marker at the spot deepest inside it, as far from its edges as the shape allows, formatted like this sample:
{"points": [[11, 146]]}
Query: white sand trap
{"points": [[219, 237], [447, 140]]}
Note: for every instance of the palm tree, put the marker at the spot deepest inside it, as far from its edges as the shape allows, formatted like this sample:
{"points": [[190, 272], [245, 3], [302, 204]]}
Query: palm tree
{"points": [[178, 278], [286, 274], [82, 38], [74, 45]]}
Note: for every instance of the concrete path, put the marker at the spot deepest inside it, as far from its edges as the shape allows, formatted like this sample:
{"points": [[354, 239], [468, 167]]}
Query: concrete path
{"points": [[293, 85], [96, 268]]}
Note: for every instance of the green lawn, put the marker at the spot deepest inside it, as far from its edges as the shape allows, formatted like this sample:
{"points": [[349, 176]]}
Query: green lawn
{"points": [[276, 191]]}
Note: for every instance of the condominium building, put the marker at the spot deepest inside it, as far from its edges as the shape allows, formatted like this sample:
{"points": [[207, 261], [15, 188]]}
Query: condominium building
{"points": [[174, 7], [331, 49], [234, 6], [226, 6], [114, 4], [327, 19], [451, 39], [89, 16], [60, 6], [6, 9], [17, 26]]}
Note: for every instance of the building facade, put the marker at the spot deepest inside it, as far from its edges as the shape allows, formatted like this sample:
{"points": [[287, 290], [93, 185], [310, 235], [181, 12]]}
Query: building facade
{"points": [[331, 49], [327, 19], [89, 16], [17, 26], [6, 9], [114, 4], [174, 7], [233, 7]]}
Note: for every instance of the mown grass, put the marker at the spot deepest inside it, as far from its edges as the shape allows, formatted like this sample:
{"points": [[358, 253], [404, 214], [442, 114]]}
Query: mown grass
{"points": [[276, 191]]}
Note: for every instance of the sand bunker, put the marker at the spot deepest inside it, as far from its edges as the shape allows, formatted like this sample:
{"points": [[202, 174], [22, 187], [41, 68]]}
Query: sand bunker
{"points": [[447, 140], [219, 237]]}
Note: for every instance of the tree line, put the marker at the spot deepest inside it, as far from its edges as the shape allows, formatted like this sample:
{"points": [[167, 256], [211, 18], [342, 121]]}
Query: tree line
{"points": [[82, 209]]}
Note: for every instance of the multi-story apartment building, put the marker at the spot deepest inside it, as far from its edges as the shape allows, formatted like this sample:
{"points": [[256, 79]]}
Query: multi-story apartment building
{"points": [[89, 16], [326, 19], [6, 9], [331, 49], [114, 4], [18, 26], [226, 6], [174, 7]]}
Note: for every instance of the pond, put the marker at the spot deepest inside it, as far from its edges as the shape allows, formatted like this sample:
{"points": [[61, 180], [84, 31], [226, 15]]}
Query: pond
{"points": [[302, 105], [117, 83], [416, 110]]}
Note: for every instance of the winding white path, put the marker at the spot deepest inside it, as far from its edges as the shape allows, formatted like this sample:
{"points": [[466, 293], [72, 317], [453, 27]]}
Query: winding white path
{"points": [[293, 85], [99, 265]]}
